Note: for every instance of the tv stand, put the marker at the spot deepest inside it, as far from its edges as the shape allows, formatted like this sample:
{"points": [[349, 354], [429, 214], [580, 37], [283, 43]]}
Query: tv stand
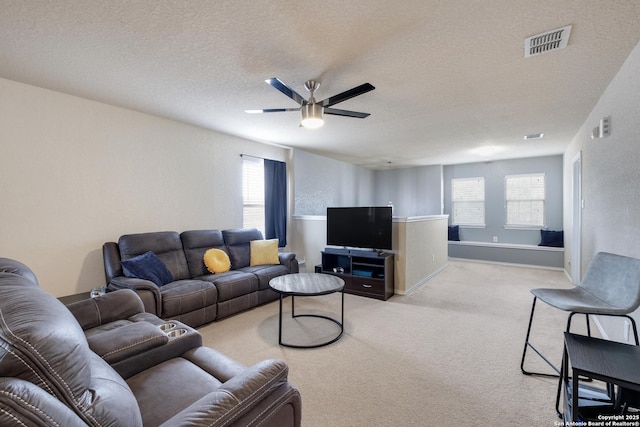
{"points": [[367, 273]]}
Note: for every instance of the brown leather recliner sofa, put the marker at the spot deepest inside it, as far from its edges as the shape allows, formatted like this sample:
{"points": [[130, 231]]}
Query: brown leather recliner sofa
{"points": [[57, 366], [196, 296]]}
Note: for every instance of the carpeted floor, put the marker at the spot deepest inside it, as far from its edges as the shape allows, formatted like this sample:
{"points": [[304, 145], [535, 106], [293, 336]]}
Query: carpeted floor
{"points": [[448, 354]]}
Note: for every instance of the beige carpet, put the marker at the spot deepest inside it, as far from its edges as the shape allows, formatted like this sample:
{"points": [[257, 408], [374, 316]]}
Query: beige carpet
{"points": [[446, 355]]}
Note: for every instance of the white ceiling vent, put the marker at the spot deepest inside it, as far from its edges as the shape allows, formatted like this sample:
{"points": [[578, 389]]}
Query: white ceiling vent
{"points": [[546, 42]]}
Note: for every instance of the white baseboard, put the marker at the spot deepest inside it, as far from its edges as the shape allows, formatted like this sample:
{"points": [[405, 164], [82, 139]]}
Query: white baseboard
{"points": [[421, 282]]}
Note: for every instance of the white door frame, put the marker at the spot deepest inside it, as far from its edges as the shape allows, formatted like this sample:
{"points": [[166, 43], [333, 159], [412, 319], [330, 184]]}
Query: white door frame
{"points": [[577, 205]]}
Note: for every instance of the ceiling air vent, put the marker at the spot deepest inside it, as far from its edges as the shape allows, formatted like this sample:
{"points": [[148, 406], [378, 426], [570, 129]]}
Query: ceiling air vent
{"points": [[546, 42]]}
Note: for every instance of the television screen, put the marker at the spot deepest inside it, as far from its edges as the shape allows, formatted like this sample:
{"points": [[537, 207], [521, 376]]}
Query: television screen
{"points": [[360, 227]]}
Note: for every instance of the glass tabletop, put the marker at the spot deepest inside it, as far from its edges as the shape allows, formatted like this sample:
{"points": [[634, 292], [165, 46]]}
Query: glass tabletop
{"points": [[306, 284]]}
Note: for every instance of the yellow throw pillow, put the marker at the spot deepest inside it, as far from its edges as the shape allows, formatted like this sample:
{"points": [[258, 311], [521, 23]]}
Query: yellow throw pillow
{"points": [[264, 252], [217, 261]]}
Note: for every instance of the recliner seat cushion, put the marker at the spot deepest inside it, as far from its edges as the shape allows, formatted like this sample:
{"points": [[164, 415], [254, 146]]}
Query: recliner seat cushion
{"points": [[183, 296], [233, 284], [264, 273], [155, 388]]}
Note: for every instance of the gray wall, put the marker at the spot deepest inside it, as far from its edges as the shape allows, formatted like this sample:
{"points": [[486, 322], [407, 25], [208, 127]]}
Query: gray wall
{"points": [[611, 169], [320, 182], [610, 176], [413, 191], [494, 173]]}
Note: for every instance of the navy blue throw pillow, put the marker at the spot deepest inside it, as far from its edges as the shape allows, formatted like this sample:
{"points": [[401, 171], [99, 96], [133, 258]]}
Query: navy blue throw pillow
{"points": [[148, 267], [454, 233], [552, 238]]}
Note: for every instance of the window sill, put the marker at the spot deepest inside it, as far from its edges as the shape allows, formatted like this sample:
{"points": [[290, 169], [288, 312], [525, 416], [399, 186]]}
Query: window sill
{"points": [[525, 227]]}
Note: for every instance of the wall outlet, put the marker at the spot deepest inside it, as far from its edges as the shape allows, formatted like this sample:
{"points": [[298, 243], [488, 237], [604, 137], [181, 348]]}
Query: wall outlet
{"points": [[433, 257], [495, 239]]}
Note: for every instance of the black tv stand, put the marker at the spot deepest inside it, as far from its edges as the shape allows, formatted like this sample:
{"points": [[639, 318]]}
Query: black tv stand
{"points": [[367, 273]]}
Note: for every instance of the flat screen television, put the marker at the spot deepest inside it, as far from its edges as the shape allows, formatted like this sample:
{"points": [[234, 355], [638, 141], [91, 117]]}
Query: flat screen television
{"points": [[360, 227]]}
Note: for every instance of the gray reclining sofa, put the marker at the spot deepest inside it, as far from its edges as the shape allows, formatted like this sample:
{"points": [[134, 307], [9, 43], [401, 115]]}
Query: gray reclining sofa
{"points": [[195, 296], [104, 361]]}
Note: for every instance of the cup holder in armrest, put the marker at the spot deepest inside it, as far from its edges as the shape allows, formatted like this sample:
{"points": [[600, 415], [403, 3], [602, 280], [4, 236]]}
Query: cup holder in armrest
{"points": [[174, 333], [167, 326]]}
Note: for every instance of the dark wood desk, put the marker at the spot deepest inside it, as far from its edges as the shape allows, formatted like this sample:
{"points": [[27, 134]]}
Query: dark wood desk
{"points": [[609, 361]]}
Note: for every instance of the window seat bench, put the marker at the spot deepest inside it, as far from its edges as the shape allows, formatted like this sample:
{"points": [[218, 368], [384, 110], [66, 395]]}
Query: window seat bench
{"points": [[511, 253]]}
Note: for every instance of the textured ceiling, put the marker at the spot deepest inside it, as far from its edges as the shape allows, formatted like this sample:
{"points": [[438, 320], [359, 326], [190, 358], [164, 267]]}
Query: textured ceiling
{"points": [[452, 83]]}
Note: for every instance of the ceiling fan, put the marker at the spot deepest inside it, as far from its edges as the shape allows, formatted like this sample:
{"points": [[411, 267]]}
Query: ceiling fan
{"points": [[312, 110]]}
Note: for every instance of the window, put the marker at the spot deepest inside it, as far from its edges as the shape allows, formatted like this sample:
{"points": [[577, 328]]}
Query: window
{"points": [[525, 200], [253, 193], [467, 201]]}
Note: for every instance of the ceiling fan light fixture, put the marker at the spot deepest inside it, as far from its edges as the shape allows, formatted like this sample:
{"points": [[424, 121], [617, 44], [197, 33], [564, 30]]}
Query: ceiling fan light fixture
{"points": [[312, 116]]}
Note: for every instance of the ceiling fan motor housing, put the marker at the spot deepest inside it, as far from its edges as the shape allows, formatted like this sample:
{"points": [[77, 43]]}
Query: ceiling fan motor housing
{"points": [[312, 114]]}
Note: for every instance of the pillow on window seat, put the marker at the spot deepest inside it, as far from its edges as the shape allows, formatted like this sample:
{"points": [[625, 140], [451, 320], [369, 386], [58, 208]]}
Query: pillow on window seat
{"points": [[148, 267], [454, 233], [552, 238]]}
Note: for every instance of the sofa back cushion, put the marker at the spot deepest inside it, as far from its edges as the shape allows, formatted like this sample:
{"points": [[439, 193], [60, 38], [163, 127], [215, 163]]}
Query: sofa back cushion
{"points": [[238, 241], [165, 244], [196, 243], [42, 343]]}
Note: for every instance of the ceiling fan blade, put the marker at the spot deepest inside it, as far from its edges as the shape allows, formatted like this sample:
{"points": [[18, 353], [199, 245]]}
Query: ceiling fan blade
{"points": [[271, 110], [358, 90], [278, 84], [346, 113]]}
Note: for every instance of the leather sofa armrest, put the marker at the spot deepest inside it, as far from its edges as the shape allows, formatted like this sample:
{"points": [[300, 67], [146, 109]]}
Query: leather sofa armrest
{"points": [[176, 346], [215, 363], [126, 341], [240, 395], [288, 259], [111, 259], [24, 403], [107, 308], [122, 282]]}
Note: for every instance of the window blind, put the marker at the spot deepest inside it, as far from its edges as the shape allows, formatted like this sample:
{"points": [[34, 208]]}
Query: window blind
{"points": [[467, 199], [253, 193], [525, 200]]}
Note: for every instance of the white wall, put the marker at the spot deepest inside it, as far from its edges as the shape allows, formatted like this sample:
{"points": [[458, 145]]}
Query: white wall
{"points": [[610, 174], [77, 173]]}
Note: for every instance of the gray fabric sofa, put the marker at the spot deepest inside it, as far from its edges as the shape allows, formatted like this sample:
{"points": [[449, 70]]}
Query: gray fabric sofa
{"points": [[196, 296], [53, 375]]}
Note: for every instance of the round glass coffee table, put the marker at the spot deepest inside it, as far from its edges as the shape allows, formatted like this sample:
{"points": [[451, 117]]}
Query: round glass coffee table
{"points": [[307, 285]]}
